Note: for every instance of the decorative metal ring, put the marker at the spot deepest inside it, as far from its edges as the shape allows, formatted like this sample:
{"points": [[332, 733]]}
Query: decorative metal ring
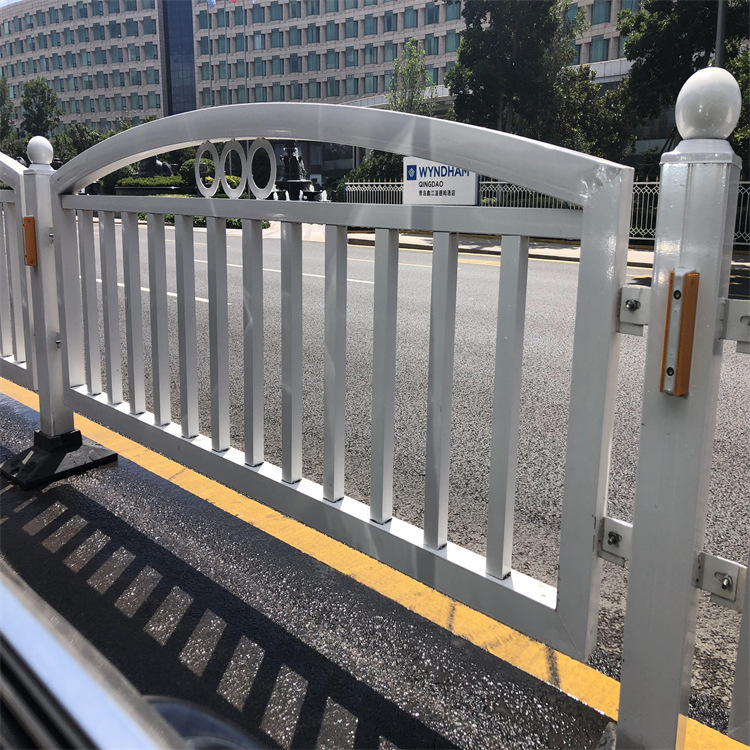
{"points": [[220, 166], [206, 191], [264, 192]]}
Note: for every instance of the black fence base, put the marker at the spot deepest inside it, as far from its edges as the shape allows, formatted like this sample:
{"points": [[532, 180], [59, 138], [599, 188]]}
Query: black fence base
{"points": [[53, 458]]}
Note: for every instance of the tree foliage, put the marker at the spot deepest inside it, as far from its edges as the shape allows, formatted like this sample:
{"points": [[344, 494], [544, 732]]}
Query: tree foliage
{"points": [[39, 106], [7, 110], [668, 40], [411, 90]]}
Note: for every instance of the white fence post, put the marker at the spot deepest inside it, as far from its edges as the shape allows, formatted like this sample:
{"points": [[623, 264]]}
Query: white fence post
{"points": [[57, 451], [695, 226]]}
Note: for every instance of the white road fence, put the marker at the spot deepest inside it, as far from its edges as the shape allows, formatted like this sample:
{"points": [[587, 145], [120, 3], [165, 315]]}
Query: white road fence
{"points": [[493, 193]]}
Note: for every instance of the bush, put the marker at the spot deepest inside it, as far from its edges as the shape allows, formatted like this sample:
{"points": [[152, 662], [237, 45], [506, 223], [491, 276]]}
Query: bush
{"points": [[187, 173], [109, 181], [150, 182]]}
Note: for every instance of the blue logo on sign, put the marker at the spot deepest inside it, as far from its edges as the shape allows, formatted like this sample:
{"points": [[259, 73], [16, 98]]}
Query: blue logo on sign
{"points": [[411, 172]]}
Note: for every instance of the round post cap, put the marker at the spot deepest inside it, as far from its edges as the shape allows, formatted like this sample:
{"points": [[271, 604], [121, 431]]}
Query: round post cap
{"points": [[708, 105], [40, 150]]}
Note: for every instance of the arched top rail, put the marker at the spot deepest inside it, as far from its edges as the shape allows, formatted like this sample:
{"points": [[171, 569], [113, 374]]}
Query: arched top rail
{"points": [[551, 170], [10, 171]]}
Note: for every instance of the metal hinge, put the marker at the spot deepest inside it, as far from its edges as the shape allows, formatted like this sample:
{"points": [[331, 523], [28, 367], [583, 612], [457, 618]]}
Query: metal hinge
{"points": [[634, 308], [736, 323], [615, 540], [723, 579]]}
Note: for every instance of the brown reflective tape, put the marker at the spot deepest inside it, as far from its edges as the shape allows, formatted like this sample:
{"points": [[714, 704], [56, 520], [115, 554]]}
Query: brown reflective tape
{"points": [[29, 240], [666, 333], [687, 331]]}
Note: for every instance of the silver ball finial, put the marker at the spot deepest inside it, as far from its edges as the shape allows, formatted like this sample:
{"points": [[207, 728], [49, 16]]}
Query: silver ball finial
{"points": [[40, 150], [709, 105]]}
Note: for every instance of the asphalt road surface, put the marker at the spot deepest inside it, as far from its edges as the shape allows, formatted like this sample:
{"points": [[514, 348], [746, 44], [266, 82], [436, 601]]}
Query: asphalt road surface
{"points": [[544, 411]]}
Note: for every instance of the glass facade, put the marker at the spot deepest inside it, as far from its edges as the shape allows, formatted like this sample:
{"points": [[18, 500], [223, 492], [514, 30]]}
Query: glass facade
{"points": [[179, 57]]}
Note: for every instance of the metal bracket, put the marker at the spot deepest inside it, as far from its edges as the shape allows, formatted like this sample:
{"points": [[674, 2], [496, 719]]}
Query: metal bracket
{"points": [[634, 309], [723, 579], [736, 323], [615, 539]]}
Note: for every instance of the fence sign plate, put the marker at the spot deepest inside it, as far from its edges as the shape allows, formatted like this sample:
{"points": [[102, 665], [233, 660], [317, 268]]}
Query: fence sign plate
{"points": [[427, 182]]}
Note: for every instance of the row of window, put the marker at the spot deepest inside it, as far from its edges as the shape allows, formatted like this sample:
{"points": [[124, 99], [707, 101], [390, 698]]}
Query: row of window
{"points": [[81, 35], [67, 12], [84, 59], [352, 85], [258, 14], [116, 103], [102, 80], [601, 49], [601, 10]]}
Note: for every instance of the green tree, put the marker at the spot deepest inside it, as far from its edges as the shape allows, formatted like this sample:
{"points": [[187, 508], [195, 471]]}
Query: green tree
{"points": [[39, 106], [411, 89], [739, 67], [7, 110], [668, 40], [510, 55]]}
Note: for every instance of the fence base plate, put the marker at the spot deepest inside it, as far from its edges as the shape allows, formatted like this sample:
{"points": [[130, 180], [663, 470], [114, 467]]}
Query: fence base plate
{"points": [[53, 458]]}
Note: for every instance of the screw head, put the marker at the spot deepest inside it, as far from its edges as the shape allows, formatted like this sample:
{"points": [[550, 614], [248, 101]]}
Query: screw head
{"points": [[677, 294], [632, 305], [726, 583], [670, 371]]}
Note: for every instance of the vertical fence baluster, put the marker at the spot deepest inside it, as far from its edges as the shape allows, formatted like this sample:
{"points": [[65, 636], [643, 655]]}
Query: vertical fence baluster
{"points": [[739, 717], [440, 387], [383, 373], [335, 363], [291, 352], [19, 286], [90, 301], [218, 331], [506, 403], [157, 271], [134, 312], [252, 312], [186, 326], [6, 337], [110, 306]]}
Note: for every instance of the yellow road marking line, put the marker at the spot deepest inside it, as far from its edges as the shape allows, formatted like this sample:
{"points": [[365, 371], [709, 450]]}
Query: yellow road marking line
{"points": [[578, 680]]}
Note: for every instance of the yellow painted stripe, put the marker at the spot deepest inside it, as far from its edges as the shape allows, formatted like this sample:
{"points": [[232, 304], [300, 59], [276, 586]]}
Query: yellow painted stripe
{"points": [[583, 683]]}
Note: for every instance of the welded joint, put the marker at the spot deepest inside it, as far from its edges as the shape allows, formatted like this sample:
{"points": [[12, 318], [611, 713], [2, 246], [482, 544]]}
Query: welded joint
{"points": [[615, 540], [735, 319], [723, 579], [633, 309]]}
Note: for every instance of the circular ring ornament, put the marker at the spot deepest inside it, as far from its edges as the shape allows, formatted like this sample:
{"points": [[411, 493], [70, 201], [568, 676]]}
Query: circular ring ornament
{"points": [[264, 192], [225, 152], [208, 192]]}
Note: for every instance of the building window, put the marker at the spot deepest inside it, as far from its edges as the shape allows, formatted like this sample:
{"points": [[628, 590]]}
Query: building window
{"points": [[452, 38], [371, 84], [390, 51], [67, 14], [295, 36], [411, 18], [599, 49], [225, 95], [241, 69], [313, 61], [350, 29], [313, 89], [116, 54], [350, 4], [222, 44], [371, 25], [390, 21], [601, 12], [83, 35], [277, 66], [632, 5], [113, 6], [205, 72], [332, 6], [259, 13], [351, 57], [148, 5], [152, 75], [131, 27], [149, 25], [620, 49], [100, 56], [371, 54], [277, 11], [295, 90], [151, 50], [431, 14], [452, 10], [332, 87], [131, 5], [222, 18], [313, 7], [387, 80], [223, 70], [239, 43], [259, 67], [81, 11], [352, 85], [206, 97], [278, 92], [261, 93], [432, 74], [259, 40], [115, 30], [431, 45], [277, 38], [295, 64], [242, 95], [205, 45], [313, 34], [332, 31], [332, 59], [239, 16], [295, 9]]}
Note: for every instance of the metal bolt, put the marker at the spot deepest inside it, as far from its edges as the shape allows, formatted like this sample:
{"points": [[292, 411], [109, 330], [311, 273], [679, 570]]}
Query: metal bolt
{"points": [[726, 582], [632, 305], [677, 294], [613, 538], [670, 371]]}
